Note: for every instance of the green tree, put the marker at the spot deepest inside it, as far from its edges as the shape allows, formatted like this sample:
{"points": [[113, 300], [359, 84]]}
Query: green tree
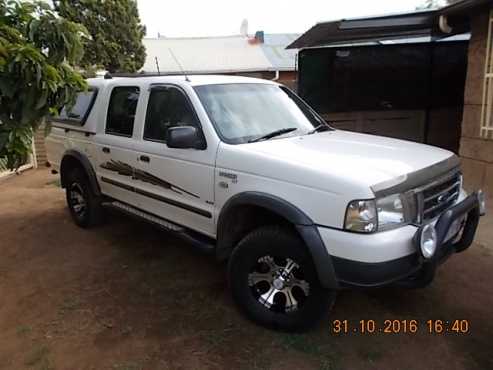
{"points": [[115, 29], [37, 49]]}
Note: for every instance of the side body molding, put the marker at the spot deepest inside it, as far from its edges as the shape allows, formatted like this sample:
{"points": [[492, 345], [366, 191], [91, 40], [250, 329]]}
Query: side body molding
{"points": [[305, 227], [73, 155]]}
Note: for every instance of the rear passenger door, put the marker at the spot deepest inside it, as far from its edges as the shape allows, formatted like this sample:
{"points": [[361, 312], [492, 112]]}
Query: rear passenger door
{"points": [[115, 146], [176, 184]]}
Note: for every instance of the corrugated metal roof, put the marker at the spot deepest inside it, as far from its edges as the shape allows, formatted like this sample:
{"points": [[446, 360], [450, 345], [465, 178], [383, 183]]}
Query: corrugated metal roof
{"points": [[274, 47], [415, 24], [220, 54], [407, 40], [464, 7]]}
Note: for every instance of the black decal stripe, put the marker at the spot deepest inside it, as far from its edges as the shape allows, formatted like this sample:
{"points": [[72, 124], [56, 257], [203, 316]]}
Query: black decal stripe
{"points": [[126, 170], [119, 184], [159, 198]]}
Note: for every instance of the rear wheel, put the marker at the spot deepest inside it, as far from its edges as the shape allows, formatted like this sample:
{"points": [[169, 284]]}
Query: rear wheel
{"points": [[274, 282], [84, 205]]}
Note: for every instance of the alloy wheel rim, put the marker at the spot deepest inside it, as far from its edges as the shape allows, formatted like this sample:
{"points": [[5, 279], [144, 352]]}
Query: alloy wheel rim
{"points": [[278, 284], [77, 200]]}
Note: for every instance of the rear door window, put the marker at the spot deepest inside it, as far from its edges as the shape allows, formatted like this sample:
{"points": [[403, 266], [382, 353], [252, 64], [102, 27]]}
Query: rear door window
{"points": [[78, 113], [121, 110]]}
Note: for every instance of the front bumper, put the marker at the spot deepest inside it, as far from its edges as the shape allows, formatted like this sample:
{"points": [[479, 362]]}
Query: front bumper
{"points": [[396, 257]]}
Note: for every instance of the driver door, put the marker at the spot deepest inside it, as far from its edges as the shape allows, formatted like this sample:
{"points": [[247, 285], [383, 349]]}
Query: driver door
{"points": [[175, 184]]}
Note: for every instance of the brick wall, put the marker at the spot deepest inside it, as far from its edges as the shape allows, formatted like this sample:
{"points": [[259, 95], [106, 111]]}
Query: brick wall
{"points": [[289, 78], [39, 145], [476, 153]]}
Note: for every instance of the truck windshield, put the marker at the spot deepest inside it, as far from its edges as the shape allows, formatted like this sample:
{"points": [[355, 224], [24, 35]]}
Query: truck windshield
{"points": [[243, 112]]}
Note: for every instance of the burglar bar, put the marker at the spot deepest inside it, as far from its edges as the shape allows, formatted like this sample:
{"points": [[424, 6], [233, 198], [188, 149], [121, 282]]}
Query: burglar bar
{"points": [[487, 103]]}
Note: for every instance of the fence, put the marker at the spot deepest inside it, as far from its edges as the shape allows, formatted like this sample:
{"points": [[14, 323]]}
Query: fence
{"points": [[30, 163], [3, 165]]}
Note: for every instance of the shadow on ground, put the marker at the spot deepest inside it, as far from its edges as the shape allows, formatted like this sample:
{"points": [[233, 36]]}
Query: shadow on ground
{"points": [[127, 296]]}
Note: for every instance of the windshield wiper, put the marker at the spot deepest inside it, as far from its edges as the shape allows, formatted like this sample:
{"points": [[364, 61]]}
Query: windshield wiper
{"points": [[273, 134], [321, 127]]}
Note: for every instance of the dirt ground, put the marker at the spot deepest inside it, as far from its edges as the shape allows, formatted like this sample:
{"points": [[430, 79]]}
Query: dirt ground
{"points": [[126, 296]]}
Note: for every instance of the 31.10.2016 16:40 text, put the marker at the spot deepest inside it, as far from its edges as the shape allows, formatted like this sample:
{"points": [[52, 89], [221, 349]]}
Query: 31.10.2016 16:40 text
{"points": [[400, 326]]}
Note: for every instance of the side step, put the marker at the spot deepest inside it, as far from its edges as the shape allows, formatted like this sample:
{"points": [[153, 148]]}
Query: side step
{"points": [[201, 242]]}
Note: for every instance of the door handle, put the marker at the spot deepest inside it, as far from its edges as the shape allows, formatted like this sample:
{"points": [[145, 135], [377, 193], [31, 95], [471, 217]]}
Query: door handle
{"points": [[144, 158], [106, 150]]}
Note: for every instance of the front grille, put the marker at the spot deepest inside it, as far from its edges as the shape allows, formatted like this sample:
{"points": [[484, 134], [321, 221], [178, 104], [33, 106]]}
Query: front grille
{"points": [[436, 197]]}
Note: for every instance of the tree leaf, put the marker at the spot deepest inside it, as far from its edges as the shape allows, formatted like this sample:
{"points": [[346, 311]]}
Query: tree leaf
{"points": [[114, 38], [35, 79]]}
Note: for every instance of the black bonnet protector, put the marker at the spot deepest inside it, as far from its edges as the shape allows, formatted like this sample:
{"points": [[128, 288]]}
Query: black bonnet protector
{"points": [[417, 178]]}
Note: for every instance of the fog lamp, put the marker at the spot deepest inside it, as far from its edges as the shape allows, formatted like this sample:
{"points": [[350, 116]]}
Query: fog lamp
{"points": [[482, 203], [428, 241]]}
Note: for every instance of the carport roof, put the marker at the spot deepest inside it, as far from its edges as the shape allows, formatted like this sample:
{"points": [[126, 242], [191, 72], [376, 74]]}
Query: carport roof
{"points": [[414, 24]]}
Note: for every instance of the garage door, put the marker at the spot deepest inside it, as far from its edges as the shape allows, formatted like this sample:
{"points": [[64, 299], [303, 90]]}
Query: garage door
{"points": [[399, 124]]}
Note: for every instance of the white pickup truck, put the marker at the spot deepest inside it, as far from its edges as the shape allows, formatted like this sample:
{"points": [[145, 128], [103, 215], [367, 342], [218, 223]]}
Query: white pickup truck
{"points": [[244, 169]]}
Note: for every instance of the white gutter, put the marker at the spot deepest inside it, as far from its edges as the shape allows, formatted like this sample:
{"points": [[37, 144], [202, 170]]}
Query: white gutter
{"points": [[443, 24], [276, 77]]}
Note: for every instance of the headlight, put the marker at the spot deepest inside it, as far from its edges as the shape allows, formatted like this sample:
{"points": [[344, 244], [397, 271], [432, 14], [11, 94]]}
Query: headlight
{"points": [[428, 241], [361, 216], [395, 210], [482, 203], [366, 216]]}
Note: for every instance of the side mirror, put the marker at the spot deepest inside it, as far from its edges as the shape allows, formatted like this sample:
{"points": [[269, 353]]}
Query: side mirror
{"points": [[184, 137]]}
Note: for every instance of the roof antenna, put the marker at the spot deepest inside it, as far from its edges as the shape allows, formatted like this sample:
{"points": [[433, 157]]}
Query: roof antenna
{"points": [[157, 66], [179, 65]]}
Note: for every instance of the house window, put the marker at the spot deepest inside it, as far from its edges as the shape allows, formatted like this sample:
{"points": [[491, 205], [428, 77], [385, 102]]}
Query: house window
{"points": [[487, 103]]}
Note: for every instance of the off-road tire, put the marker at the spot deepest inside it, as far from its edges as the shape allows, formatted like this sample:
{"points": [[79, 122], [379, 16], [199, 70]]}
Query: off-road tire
{"points": [[93, 214], [282, 244]]}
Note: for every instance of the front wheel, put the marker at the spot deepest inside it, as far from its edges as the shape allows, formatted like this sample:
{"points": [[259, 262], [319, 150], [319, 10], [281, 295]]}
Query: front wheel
{"points": [[274, 281]]}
